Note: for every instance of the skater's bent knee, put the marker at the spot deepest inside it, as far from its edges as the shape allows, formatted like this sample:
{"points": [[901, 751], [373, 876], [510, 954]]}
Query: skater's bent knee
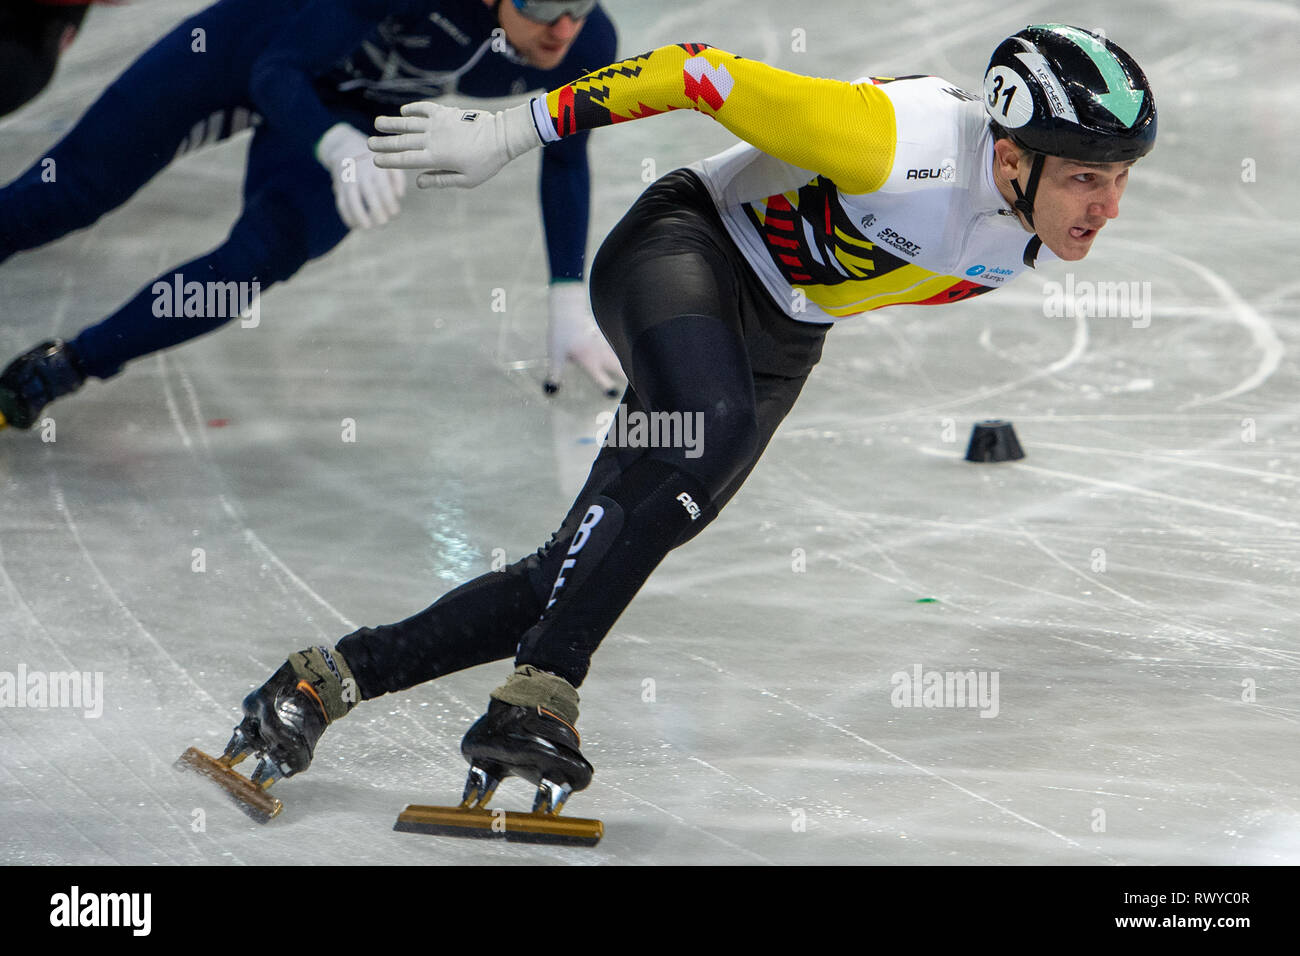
{"points": [[263, 250]]}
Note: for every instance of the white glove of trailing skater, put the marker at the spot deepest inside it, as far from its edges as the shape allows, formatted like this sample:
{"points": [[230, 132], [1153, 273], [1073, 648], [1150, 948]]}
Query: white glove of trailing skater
{"points": [[573, 337], [453, 147], [365, 196]]}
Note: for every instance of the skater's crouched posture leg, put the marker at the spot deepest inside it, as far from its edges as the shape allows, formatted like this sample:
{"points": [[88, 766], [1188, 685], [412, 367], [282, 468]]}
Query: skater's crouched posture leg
{"points": [[699, 339], [118, 145], [288, 218], [703, 348]]}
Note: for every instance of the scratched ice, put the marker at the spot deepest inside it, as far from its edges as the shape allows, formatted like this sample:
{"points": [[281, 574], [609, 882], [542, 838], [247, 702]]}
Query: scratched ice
{"points": [[1130, 585]]}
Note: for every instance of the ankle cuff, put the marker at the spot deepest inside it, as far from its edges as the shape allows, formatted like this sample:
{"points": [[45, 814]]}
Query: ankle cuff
{"points": [[530, 687], [330, 677]]}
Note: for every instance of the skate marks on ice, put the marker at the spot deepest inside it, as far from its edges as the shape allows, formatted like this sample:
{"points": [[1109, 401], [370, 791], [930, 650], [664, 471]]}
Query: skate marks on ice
{"points": [[1263, 335]]}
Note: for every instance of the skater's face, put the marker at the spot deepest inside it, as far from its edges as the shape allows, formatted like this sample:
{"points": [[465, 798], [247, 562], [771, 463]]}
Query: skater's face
{"points": [[1074, 200], [544, 45]]}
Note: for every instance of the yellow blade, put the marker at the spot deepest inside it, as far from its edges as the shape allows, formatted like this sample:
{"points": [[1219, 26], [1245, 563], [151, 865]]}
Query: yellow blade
{"points": [[501, 824], [249, 797]]}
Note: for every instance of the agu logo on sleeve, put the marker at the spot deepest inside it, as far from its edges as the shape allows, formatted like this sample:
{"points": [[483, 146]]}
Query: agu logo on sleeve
{"points": [[945, 172]]}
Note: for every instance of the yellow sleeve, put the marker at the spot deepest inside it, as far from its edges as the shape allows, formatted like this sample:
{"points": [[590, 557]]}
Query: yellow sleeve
{"points": [[844, 131]]}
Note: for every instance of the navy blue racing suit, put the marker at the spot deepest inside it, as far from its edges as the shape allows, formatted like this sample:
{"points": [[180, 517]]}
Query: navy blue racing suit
{"points": [[290, 70]]}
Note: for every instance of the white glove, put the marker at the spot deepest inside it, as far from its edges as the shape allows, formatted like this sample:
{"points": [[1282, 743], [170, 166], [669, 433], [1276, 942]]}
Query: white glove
{"points": [[574, 337], [365, 196], [453, 147]]}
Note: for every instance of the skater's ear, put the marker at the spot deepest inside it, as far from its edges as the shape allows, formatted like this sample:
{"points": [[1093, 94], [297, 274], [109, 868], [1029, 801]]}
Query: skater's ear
{"points": [[1010, 158]]}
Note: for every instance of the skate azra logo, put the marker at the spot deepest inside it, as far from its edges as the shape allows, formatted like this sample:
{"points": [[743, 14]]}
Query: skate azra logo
{"points": [[991, 273]]}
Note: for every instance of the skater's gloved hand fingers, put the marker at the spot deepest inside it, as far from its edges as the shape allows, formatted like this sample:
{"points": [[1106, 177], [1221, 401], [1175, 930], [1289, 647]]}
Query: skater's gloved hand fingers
{"points": [[455, 147], [411, 159], [387, 193], [341, 204], [372, 196], [603, 366], [442, 178], [381, 188], [365, 195], [572, 336], [425, 108], [598, 360], [351, 208], [400, 124], [404, 151]]}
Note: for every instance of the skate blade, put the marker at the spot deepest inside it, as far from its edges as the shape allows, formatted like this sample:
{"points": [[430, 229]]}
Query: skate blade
{"points": [[500, 824], [248, 796]]}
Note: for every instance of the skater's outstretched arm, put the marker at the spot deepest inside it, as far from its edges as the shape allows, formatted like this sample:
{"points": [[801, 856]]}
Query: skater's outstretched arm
{"points": [[844, 131], [322, 33], [281, 85]]}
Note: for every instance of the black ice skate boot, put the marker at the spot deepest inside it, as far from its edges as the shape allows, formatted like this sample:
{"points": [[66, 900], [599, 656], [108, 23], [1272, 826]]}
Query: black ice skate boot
{"points": [[35, 379], [527, 732], [286, 716]]}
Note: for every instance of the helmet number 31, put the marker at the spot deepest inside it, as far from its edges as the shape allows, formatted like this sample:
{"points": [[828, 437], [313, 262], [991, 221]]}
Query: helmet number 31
{"points": [[1000, 88]]}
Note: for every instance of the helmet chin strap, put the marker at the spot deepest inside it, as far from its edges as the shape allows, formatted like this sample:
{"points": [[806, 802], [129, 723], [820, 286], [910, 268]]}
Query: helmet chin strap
{"points": [[1024, 205]]}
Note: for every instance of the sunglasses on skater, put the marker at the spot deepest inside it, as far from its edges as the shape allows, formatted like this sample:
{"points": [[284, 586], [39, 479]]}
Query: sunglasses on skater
{"points": [[550, 11]]}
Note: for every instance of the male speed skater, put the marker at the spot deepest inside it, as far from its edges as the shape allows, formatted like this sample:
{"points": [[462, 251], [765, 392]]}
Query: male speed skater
{"points": [[716, 291], [309, 77]]}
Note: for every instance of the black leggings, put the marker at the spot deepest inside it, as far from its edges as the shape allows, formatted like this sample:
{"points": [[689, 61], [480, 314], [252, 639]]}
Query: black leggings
{"points": [[31, 37], [697, 336]]}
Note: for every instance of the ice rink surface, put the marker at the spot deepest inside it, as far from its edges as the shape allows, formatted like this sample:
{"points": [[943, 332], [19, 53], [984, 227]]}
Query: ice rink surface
{"points": [[1130, 585]]}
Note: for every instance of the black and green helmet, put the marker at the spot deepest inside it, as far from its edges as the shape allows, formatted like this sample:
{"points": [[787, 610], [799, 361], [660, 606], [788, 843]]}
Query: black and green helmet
{"points": [[1059, 90]]}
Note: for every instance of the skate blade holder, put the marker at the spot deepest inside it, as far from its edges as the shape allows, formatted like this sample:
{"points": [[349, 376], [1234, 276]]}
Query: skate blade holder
{"points": [[486, 824], [248, 796]]}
